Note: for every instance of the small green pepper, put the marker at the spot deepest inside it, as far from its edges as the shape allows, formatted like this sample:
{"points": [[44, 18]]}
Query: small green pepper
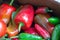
{"points": [[56, 33], [54, 20], [26, 36]]}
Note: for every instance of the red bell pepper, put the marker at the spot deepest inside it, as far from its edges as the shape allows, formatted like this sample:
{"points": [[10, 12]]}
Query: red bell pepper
{"points": [[6, 11], [25, 17], [43, 10], [41, 31], [31, 31]]}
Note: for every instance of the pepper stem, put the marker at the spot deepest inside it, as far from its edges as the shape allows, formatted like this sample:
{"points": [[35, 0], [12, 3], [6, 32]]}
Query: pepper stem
{"points": [[48, 10], [11, 2], [14, 13], [14, 37], [19, 9], [20, 25], [48, 39]]}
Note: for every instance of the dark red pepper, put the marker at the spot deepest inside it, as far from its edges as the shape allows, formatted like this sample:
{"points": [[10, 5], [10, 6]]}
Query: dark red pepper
{"points": [[43, 10], [31, 31], [42, 19], [5, 11], [41, 31], [25, 17]]}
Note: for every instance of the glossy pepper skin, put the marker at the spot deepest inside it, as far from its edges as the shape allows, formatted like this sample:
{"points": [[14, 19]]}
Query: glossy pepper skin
{"points": [[41, 31], [43, 10], [54, 20], [31, 31], [56, 33], [6, 12], [12, 30], [26, 36], [3, 28], [25, 15], [42, 19]]}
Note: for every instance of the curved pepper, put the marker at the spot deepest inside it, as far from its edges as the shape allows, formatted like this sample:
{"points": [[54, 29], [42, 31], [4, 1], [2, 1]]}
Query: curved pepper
{"points": [[12, 30], [41, 31], [42, 10], [26, 36], [42, 19], [56, 33], [6, 11], [25, 16]]}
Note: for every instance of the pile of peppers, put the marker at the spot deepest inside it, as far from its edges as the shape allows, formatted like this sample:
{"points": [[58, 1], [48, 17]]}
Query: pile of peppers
{"points": [[25, 23]]}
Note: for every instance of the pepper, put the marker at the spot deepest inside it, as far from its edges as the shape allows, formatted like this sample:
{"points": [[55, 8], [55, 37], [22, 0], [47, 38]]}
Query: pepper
{"points": [[12, 30], [42, 10], [56, 33], [3, 28], [14, 13], [26, 36], [31, 31], [42, 19], [25, 17], [54, 20], [41, 31], [6, 11]]}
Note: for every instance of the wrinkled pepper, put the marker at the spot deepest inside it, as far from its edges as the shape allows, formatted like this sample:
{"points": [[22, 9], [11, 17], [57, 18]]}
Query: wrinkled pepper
{"points": [[24, 17], [31, 31], [42, 19], [43, 10], [41, 31], [12, 30], [56, 33], [6, 11]]}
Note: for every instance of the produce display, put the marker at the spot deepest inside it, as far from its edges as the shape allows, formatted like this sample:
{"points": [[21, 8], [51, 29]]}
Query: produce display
{"points": [[28, 23]]}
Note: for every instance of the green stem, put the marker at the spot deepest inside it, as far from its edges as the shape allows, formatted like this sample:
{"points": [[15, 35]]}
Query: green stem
{"points": [[14, 37], [20, 25], [48, 39], [11, 2], [19, 9], [14, 14], [6, 35], [47, 10]]}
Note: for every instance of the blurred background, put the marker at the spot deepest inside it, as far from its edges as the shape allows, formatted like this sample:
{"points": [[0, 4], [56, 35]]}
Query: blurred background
{"points": [[15, 4], [52, 4]]}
